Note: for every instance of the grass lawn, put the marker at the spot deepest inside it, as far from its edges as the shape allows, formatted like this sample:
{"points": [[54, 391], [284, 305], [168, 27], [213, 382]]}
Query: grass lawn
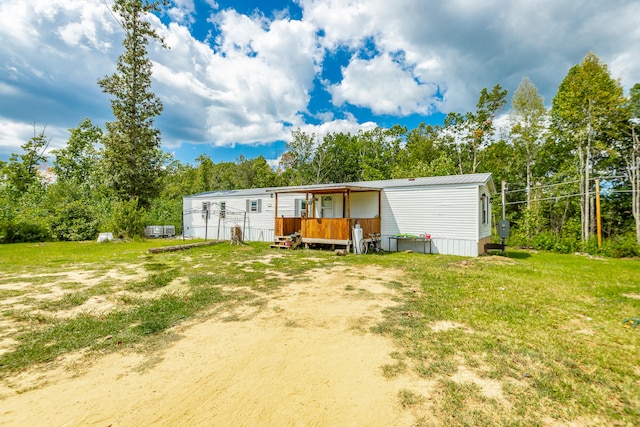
{"points": [[527, 339], [547, 328]]}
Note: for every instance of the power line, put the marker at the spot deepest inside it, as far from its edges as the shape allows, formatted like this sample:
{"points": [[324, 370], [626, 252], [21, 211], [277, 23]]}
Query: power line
{"points": [[564, 196], [538, 187], [556, 198], [112, 15], [543, 186]]}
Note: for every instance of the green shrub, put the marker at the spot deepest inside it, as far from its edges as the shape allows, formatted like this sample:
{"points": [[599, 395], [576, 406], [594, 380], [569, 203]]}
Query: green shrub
{"points": [[75, 221], [545, 241], [127, 218], [623, 246], [12, 231]]}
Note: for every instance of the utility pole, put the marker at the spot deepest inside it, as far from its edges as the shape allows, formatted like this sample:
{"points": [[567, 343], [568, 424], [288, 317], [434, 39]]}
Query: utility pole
{"points": [[504, 202]]}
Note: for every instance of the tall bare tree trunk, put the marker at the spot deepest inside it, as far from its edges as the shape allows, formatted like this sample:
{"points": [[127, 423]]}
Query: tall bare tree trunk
{"points": [[583, 192], [587, 176], [528, 178], [633, 172]]}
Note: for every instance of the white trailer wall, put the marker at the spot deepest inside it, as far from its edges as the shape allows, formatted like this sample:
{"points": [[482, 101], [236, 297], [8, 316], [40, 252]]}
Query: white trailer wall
{"points": [[451, 209], [257, 226], [448, 213]]}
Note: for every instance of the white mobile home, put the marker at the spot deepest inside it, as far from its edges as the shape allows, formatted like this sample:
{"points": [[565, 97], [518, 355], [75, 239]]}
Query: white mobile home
{"points": [[450, 213]]}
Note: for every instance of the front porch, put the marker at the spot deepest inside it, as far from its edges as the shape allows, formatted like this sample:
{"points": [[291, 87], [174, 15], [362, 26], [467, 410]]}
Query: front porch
{"points": [[326, 231], [315, 227]]}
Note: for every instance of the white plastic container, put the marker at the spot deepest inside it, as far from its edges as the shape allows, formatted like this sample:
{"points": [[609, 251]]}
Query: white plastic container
{"points": [[357, 238]]}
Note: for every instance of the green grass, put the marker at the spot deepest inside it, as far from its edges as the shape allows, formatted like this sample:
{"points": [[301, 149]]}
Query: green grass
{"points": [[154, 281], [547, 328], [551, 323], [409, 399]]}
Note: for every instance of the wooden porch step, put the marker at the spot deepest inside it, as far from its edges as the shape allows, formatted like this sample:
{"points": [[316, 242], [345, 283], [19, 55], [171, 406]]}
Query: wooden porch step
{"points": [[287, 242]]}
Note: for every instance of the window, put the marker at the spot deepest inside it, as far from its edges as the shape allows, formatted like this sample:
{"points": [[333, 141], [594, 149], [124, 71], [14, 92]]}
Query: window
{"points": [[206, 209], [254, 205], [484, 200], [326, 207], [223, 209], [300, 208]]}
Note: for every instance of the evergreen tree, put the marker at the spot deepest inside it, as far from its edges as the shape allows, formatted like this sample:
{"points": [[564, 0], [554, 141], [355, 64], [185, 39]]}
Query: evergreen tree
{"points": [[133, 159]]}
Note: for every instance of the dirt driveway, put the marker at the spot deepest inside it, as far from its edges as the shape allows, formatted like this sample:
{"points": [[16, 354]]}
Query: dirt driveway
{"points": [[304, 358]]}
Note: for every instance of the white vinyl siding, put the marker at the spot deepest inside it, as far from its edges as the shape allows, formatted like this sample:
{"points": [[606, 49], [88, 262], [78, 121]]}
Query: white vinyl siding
{"points": [[444, 211], [448, 213], [257, 226], [484, 228], [287, 204], [364, 204], [447, 208]]}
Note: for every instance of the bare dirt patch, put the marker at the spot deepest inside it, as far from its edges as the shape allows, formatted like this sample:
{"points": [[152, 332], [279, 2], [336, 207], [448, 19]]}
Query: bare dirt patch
{"points": [[489, 388], [306, 358], [34, 291], [445, 325], [486, 260]]}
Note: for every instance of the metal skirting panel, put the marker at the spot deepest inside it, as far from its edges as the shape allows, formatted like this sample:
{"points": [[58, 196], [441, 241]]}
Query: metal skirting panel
{"points": [[249, 234], [439, 245], [459, 247]]}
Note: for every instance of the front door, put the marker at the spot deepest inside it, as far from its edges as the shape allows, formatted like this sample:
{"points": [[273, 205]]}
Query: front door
{"points": [[326, 207]]}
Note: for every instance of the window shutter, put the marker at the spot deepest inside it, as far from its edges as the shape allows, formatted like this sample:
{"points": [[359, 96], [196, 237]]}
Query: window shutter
{"points": [[259, 205], [248, 206]]}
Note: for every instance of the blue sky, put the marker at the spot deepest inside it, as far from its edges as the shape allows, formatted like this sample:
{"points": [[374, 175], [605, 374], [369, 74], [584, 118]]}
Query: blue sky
{"points": [[241, 75]]}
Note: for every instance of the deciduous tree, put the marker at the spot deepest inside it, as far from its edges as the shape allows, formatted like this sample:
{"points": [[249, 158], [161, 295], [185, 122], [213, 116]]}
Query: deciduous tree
{"points": [[79, 161], [528, 117], [630, 152], [585, 112]]}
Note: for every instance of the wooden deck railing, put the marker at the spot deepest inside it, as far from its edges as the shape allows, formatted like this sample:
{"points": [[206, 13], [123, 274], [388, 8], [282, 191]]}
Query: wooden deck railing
{"points": [[326, 228], [368, 225], [286, 226]]}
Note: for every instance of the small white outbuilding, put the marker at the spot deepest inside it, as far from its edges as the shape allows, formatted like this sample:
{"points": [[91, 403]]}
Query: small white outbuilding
{"points": [[442, 215]]}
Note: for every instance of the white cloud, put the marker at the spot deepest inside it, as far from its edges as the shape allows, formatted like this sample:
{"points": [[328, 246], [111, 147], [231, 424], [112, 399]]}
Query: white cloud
{"points": [[15, 23], [348, 125], [465, 45], [252, 87], [345, 22], [14, 134], [6, 89], [182, 11], [385, 87], [253, 83]]}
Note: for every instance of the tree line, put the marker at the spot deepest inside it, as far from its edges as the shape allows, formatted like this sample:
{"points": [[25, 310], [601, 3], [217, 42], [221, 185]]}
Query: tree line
{"points": [[551, 160]]}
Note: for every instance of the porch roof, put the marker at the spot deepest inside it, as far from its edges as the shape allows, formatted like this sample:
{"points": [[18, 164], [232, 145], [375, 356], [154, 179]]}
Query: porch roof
{"points": [[324, 189]]}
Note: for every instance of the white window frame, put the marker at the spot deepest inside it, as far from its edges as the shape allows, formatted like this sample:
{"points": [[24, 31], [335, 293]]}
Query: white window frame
{"points": [[254, 205], [300, 208]]}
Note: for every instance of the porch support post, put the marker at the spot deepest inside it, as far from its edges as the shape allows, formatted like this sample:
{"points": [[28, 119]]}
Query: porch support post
{"points": [[380, 205], [348, 203], [276, 215], [306, 204]]}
